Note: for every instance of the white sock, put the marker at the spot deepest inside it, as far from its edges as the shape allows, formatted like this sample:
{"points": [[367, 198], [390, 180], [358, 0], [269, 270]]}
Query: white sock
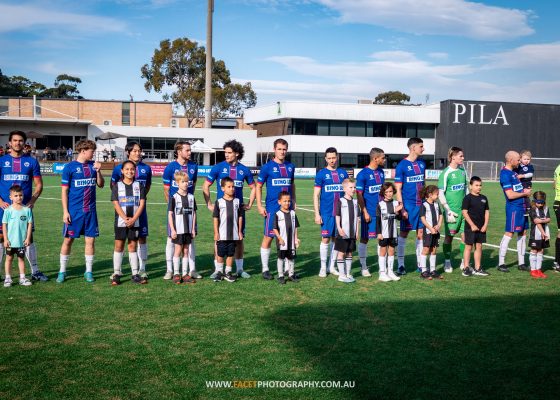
{"points": [[215, 265], [89, 263], [142, 256], [192, 256], [185, 265], [291, 267], [239, 265], [539, 260], [1, 253], [401, 245], [382, 264], [117, 262], [324, 255], [265, 255], [220, 267], [334, 257], [229, 268], [341, 268], [348, 266], [419, 246], [503, 249], [31, 254], [176, 266], [362, 254], [423, 262], [390, 263], [433, 262], [533, 261], [21, 276], [169, 250], [134, 262], [521, 246], [280, 267], [63, 262]]}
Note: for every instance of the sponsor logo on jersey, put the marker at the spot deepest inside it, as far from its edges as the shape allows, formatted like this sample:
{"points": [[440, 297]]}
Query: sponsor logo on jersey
{"points": [[517, 187], [333, 188], [374, 189], [23, 218], [460, 186], [238, 184], [84, 182], [281, 182], [174, 183], [16, 177], [415, 178], [127, 201]]}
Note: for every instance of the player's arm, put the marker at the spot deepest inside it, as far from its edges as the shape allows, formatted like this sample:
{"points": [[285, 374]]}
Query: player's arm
{"points": [[38, 189], [216, 228], [100, 180], [5, 230], [64, 201], [316, 195], [486, 221], [293, 194], [466, 216], [194, 222], [119, 210], [260, 207], [276, 230], [511, 195], [252, 196], [362, 204], [240, 223], [339, 229], [206, 193], [148, 184], [27, 240], [296, 228]]}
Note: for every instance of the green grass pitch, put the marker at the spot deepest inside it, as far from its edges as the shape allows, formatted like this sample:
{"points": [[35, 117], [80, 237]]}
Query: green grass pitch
{"points": [[460, 338]]}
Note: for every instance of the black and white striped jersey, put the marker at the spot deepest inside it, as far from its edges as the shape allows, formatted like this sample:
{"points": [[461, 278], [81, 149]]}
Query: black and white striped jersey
{"points": [[129, 197], [286, 224], [431, 212], [228, 213], [184, 209], [538, 213], [348, 211], [386, 219]]}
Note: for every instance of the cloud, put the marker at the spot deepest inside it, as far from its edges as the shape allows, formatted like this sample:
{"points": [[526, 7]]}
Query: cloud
{"points": [[25, 17], [51, 68], [539, 56], [436, 17]]}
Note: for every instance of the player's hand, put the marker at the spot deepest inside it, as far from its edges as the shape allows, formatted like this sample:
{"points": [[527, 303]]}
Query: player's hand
{"points": [[247, 207], [404, 214], [379, 237], [262, 211], [26, 242], [173, 235], [367, 217], [474, 228], [298, 242], [6, 243], [66, 218], [433, 231], [240, 236], [342, 233], [281, 241], [210, 207], [4, 205], [216, 237], [483, 229], [544, 237], [318, 219], [399, 207], [97, 166], [451, 216], [527, 192]]}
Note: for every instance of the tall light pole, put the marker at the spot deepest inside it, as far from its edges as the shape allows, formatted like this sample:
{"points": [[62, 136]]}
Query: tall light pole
{"points": [[208, 86]]}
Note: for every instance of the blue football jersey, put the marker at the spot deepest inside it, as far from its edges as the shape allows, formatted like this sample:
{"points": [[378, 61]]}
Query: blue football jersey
{"points": [[169, 180], [277, 178], [525, 169], [81, 180], [411, 174], [143, 174], [510, 181], [239, 173], [18, 171], [330, 182], [369, 182]]}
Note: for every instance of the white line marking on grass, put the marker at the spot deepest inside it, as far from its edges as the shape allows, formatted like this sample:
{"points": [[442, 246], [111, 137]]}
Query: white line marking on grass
{"points": [[497, 247]]}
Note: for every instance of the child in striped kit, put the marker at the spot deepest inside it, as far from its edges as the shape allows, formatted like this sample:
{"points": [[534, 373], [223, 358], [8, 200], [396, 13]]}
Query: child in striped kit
{"points": [[347, 217], [431, 217], [540, 233], [387, 215], [286, 227]]}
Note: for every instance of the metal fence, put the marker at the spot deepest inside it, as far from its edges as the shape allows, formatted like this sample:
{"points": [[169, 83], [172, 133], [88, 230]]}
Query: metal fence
{"points": [[490, 170]]}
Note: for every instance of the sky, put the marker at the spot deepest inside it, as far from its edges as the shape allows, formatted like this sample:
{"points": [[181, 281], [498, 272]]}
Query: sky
{"points": [[299, 50]]}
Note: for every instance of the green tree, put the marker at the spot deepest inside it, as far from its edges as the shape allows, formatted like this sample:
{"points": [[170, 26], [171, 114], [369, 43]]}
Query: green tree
{"points": [[392, 97], [179, 66], [65, 87]]}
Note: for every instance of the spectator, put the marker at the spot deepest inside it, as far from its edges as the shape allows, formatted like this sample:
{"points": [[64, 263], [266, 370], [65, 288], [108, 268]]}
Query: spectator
{"points": [[69, 154], [105, 155]]}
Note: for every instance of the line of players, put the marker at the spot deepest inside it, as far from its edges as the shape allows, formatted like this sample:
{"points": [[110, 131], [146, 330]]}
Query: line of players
{"points": [[80, 177]]}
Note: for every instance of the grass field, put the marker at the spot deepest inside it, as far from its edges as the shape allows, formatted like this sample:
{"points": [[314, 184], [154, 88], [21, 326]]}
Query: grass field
{"points": [[460, 338]]}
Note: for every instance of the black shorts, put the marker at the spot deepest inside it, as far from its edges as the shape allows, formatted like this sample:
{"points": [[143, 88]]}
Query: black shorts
{"points": [[183, 238], [474, 237], [392, 242], [539, 244], [556, 207], [430, 240], [225, 248], [345, 245], [289, 254], [15, 251], [126, 233]]}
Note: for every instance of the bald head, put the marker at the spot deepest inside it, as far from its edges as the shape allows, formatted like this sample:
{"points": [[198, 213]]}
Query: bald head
{"points": [[512, 158]]}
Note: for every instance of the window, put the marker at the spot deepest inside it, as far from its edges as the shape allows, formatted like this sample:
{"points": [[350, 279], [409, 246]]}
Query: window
{"points": [[363, 160], [426, 131], [356, 128], [323, 128], [338, 128], [38, 108], [397, 130], [4, 107], [377, 129], [126, 113], [348, 160], [410, 130]]}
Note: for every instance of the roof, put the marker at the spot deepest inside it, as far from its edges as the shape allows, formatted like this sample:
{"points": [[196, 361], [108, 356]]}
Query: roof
{"points": [[47, 121]]}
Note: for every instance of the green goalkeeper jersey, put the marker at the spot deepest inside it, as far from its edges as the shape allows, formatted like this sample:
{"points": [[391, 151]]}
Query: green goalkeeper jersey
{"points": [[453, 183], [557, 183]]}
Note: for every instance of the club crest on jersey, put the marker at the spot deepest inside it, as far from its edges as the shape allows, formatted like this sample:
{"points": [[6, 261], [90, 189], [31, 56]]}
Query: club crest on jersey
{"points": [[275, 169], [224, 170], [192, 171], [290, 169], [143, 170], [6, 163], [26, 164], [240, 172]]}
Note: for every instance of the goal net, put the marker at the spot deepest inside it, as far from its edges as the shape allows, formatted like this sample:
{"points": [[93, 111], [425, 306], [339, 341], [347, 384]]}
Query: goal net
{"points": [[490, 170]]}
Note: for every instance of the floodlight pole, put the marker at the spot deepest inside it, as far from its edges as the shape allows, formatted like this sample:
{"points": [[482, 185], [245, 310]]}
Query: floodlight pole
{"points": [[208, 83]]}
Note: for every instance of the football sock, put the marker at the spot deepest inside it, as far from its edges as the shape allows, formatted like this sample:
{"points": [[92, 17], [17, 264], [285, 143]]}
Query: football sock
{"points": [[447, 251], [348, 266], [324, 255], [220, 267], [280, 267], [192, 256], [503, 249], [432, 263], [31, 254], [341, 267], [265, 255], [423, 262], [400, 250], [21, 276], [521, 250], [133, 261], [362, 253], [142, 256], [89, 262], [382, 264], [239, 265], [185, 265], [292, 266], [419, 246], [117, 262], [63, 262], [533, 261], [390, 263], [229, 268], [215, 265], [334, 258], [176, 266], [539, 260], [169, 250]]}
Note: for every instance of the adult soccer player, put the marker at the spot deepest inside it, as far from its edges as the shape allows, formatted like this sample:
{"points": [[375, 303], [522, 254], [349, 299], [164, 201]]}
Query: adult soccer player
{"points": [[239, 173], [182, 153], [79, 179], [143, 175], [326, 193], [516, 221], [452, 186], [23, 170], [368, 184], [278, 176], [556, 208], [409, 180]]}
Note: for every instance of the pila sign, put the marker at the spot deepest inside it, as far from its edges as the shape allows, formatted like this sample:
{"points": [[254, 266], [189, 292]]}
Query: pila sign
{"points": [[478, 114]]}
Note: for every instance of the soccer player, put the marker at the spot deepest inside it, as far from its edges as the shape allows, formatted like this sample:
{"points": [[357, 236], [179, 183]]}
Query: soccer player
{"points": [[278, 176], [286, 226], [452, 186], [232, 168], [79, 179], [347, 217], [409, 180], [143, 175], [516, 221], [182, 153], [18, 169], [328, 190], [368, 185], [556, 207]]}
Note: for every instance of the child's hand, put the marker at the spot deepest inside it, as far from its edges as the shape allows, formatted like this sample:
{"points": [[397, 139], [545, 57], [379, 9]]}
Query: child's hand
{"points": [[6, 243], [379, 237], [342, 233], [216, 237], [97, 165], [193, 235], [298, 242], [26, 242], [544, 237], [173, 234], [398, 208], [240, 236], [474, 228], [281, 241], [483, 229], [432, 231]]}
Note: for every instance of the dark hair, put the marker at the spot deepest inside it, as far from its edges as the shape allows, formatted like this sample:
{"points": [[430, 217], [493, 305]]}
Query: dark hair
{"points": [[428, 190], [18, 133], [539, 195], [284, 193], [474, 179], [413, 140], [130, 146], [375, 152], [85, 144], [331, 150], [453, 151], [236, 147], [16, 189], [280, 141], [386, 186], [128, 162], [178, 146], [225, 180]]}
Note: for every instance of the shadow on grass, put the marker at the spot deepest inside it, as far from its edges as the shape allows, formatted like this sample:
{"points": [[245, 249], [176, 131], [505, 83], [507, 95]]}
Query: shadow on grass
{"points": [[477, 348]]}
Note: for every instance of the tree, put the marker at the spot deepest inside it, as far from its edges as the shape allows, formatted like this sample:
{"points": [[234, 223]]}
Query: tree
{"points": [[392, 97], [65, 87], [180, 66]]}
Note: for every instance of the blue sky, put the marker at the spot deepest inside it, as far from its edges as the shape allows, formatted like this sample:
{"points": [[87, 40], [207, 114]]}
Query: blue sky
{"points": [[321, 50]]}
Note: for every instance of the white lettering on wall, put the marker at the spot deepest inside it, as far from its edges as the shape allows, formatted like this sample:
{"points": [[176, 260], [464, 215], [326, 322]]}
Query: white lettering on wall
{"points": [[476, 115]]}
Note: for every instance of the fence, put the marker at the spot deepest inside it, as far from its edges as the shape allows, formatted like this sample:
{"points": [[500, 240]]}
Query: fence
{"points": [[490, 170]]}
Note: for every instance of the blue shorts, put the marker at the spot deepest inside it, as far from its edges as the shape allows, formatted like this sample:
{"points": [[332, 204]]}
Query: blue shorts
{"points": [[368, 230], [269, 223], [82, 223], [143, 228], [516, 221], [328, 227], [413, 222]]}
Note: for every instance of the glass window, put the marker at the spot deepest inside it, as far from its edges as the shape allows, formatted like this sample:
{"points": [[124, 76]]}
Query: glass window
{"points": [[338, 128], [397, 130], [310, 128], [4, 107], [323, 128], [356, 128], [410, 130], [146, 143], [159, 144], [309, 160], [295, 158], [426, 131], [377, 129], [348, 160], [126, 114], [363, 160], [170, 144], [297, 127]]}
